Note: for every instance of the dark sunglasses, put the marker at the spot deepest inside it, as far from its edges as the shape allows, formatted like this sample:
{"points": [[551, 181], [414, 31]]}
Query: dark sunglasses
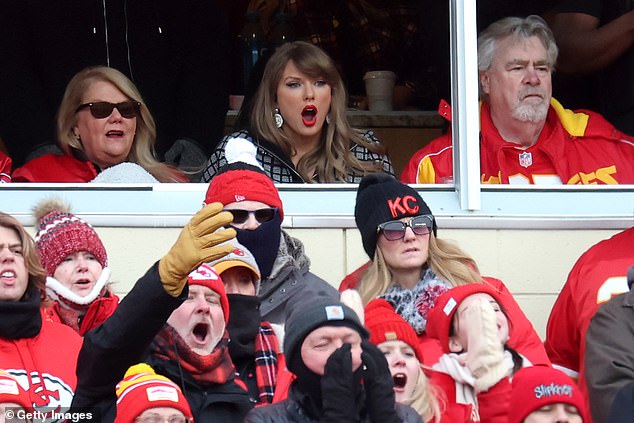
{"points": [[103, 109], [261, 215], [395, 229]]}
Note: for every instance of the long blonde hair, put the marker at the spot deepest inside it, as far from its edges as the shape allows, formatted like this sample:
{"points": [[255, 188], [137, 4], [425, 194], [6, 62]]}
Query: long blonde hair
{"points": [[446, 260], [332, 159], [142, 150], [427, 399]]}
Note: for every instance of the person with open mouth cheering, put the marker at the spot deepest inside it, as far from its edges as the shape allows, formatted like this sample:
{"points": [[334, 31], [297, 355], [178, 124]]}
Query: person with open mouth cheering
{"points": [[102, 122], [76, 265], [297, 119]]}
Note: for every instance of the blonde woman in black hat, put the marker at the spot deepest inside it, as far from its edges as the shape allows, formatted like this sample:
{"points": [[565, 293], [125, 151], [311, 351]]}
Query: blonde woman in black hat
{"points": [[411, 267]]}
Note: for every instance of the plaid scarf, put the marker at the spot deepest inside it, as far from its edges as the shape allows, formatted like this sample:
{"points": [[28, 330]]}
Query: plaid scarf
{"points": [[414, 304], [214, 368], [266, 362]]}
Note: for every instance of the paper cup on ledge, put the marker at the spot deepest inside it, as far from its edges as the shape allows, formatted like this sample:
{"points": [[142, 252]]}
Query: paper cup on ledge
{"points": [[379, 88]]}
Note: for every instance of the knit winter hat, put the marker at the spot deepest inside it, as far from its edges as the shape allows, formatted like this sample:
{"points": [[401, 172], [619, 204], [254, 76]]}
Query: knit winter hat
{"points": [[60, 234], [381, 198], [303, 315], [441, 315], [239, 257], [11, 391], [142, 389], [384, 324], [205, 275], [243, 179], [537, 386]]}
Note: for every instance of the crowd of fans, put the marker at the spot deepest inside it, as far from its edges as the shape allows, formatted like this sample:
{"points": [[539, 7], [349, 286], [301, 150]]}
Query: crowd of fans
{"points": [[231, 324]]}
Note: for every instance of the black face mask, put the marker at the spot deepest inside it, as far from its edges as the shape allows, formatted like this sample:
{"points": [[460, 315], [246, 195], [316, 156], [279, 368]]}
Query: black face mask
{"points": [[263, 242], [243, 325]]}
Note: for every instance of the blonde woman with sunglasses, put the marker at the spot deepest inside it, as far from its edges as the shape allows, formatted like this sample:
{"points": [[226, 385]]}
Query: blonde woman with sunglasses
{"points": [[411, 266], [102, 122]]}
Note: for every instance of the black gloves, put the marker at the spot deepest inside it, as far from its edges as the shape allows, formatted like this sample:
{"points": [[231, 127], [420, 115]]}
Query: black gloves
{"points": [[339, 388], [379, 385]]}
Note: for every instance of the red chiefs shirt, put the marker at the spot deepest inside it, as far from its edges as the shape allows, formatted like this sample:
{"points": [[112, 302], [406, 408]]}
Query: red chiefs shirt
{"points": [[598, 275], [45, 364], [573, 148]]}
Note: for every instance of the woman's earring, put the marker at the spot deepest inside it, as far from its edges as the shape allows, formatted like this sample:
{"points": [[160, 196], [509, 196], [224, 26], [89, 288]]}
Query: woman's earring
{"points": [[328, 119], [279, 120]]}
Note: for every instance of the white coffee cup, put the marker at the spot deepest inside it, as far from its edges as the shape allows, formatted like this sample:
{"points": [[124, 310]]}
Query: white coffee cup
{"points": [[379, 88]]}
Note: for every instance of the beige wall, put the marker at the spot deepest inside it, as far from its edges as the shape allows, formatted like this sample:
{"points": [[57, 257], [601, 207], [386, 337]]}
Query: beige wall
{"points": [[533, 263]]}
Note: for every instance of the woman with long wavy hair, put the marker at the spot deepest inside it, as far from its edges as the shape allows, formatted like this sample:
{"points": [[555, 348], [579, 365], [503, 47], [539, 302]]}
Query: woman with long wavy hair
{"points": [[411, 267], [297, 119]]}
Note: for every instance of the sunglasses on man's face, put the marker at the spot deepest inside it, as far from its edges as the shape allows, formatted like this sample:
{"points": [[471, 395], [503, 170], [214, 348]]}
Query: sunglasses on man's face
{"points": [[261, 215], [103, 109], [395, 229]]}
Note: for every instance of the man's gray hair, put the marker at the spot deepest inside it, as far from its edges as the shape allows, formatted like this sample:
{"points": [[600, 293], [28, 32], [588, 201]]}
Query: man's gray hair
{"points": [[518, 28]]}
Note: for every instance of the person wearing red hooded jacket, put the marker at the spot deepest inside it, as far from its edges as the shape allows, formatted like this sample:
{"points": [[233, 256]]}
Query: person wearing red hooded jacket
{"points": [[473, 329], [526, 136]]}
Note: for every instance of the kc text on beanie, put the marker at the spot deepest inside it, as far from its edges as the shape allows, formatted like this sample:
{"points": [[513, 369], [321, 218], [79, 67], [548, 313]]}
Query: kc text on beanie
{"points": [[381, 198]]}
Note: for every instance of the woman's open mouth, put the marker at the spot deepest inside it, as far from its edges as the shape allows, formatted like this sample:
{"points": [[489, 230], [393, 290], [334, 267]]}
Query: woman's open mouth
{"points": [[309, 115], [400, 380]]}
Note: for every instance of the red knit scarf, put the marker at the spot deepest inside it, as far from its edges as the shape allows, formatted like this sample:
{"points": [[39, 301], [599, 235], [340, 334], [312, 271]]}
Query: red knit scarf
{"points": [[214, 368]]}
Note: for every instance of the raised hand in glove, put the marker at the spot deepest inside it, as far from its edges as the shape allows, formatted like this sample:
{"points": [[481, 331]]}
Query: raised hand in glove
{"points": [[485, 352], [339, 387], [379, 385], [196, 244]]}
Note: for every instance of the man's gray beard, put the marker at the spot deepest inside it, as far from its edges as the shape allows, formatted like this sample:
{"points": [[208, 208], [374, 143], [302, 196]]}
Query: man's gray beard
{"points": [[530, 113]]}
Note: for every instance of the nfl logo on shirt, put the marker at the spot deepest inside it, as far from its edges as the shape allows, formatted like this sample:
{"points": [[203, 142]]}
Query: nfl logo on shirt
{"points": [[526, 159]]}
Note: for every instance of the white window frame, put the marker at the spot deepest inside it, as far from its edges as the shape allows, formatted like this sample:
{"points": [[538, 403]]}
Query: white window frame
{"points": [[467, 204]]}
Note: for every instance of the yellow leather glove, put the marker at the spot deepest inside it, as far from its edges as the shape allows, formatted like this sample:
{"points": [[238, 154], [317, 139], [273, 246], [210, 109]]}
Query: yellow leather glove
{"points": [[196, 244]]}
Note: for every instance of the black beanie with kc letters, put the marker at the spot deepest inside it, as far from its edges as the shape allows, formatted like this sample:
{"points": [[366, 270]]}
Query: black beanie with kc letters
{"points": [[381, 198]]}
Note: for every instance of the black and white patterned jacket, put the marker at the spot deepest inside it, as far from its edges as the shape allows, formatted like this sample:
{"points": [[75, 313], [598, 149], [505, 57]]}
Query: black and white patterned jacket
{"points": [[279, 166]]}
